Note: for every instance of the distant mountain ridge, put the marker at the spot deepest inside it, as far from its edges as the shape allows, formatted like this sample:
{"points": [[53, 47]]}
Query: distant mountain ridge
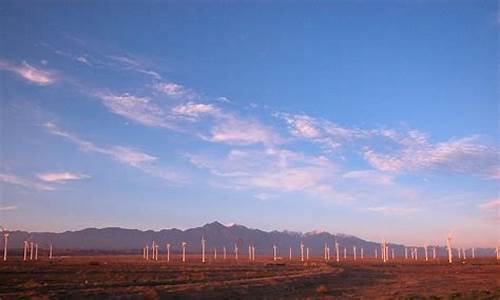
{"points": [[216, 234]]}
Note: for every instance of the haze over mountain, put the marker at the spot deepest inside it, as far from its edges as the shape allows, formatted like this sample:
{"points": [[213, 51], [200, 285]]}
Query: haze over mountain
{"points": [[217, 235]]}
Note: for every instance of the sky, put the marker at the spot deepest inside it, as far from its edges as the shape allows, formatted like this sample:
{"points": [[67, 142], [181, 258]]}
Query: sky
{"points": [[378, 119]]}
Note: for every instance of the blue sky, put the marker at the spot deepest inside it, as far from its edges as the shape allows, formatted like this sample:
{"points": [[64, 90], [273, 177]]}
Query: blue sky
{"points": [[379, 120]]}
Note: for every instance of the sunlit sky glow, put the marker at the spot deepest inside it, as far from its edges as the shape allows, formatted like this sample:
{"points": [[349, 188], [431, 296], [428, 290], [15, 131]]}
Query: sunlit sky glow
{"points": [[377, 120]]}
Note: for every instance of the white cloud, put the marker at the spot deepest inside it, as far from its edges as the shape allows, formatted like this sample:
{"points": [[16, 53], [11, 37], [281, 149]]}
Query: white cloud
{"points": [[175, 90], [29, 73], [394, 210], [16, 180], [138, 109], [465, 155], [125, 155], [61, 176], [239, 131], [8, 207], [369, 176], [194, 110]]}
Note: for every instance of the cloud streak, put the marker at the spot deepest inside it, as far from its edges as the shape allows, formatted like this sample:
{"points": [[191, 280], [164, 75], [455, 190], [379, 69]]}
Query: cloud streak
{"points": [[125, 155], [61, 177], [29, 73], [27, 183]]}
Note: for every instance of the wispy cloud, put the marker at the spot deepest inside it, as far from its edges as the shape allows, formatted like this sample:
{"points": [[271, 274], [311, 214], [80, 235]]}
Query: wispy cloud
{"points": [[175, 90], [491, 209], [392, 210], [125, 155], [465, 155], [8, 207], [195, 110], [16, 180], [370, 177], [61, 176], [29, 73], [138, 109], [234, 130]]}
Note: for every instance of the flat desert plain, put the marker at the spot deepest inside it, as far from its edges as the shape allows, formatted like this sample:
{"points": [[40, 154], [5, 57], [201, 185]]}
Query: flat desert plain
{"points": [[131, 277]]}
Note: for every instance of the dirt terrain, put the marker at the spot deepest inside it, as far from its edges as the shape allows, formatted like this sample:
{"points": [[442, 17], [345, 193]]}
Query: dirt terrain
{"points": [[130, 277]]}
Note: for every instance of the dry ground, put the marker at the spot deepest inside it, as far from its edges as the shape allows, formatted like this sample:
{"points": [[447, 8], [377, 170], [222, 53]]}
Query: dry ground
{"points": [[87, 277]]}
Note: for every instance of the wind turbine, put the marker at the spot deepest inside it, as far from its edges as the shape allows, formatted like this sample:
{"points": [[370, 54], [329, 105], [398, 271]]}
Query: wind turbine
{"points": [[426, 257], [392, 252], [448, 244], [203, 242], [354, 252], [31, 250], [147, 252], [5, 241], [274, 252], [301, 251], [307, 253], [473, 252], [215, 253], [337, 250], [168, 252], [406, 253], [290, 254], [362, 253], [224, 252], [50, 251], [25, 250], [183, 251], [345, 253], [236, 251], [434, 252], [36, 251]]}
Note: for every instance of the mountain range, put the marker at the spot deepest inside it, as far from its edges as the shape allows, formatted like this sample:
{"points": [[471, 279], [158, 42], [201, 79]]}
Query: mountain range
{"points": [[115, 239]]}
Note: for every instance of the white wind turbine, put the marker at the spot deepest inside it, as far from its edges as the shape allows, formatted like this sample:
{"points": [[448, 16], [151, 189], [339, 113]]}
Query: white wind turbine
{"points": [[224, 252], [5, 241], [392, 252], [425, 250], [301, 251], [184, 244], [36, 251], [203, 244], [274, 252], [215, 253], [236, 251], [31, 250], [50, 251], [307, 253], [406, 253], [337, 250], [448, 244], [253, 253], [290, 254], [345, 253], [354, 252], [25, 250], [473, 252], [376, 253], [168, 252], [362, 253], [147, 252], [434, 252]]}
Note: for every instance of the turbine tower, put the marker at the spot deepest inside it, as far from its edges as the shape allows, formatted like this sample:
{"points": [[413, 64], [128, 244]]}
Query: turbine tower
{"points": [[203, 242], [184, 251], [274, 252], [301, 251], [5, 241], [168, 252], [448, 244], [337, 250], [25, 250]]}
